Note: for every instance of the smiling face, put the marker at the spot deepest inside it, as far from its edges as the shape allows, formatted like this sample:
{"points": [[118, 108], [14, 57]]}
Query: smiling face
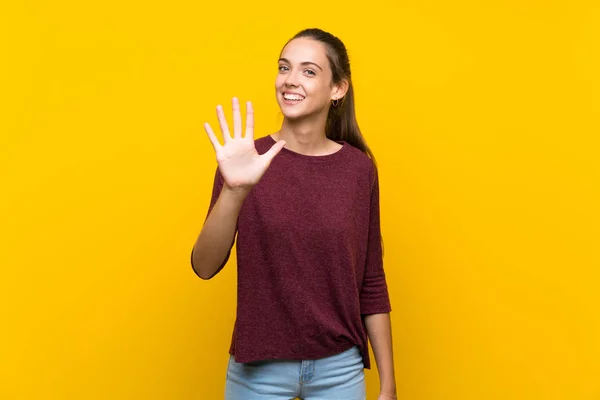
{"points": [[303, 85]]}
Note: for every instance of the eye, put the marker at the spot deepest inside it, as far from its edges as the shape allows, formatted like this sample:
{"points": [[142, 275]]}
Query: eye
{"points": [[281, 68], [311, 72]]}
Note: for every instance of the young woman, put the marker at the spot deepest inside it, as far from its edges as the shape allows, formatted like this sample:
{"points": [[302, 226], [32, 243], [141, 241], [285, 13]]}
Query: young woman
{"points": [[304, 202]]}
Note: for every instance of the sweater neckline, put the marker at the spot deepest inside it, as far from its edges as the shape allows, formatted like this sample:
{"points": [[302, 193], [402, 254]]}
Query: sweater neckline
{"points": [[327, 157]]}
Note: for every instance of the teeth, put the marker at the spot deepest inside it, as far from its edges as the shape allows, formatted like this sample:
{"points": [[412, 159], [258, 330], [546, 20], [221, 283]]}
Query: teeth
{"points": [[293, 97]]}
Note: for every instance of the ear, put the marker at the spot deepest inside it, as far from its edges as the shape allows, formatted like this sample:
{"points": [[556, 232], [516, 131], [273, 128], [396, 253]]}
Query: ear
{"points": [[340, 90]]}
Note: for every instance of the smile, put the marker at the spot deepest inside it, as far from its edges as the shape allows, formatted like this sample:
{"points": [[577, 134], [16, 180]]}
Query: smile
{"points": [[292, 98]]}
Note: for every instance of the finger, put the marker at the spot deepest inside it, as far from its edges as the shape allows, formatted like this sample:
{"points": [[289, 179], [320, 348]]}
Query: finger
{"points": [[237, 119], [211, 136], [223, 124], [273, 151], [249, 121]]}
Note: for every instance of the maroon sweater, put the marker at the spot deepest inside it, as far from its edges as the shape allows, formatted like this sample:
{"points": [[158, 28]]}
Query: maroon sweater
{"points": [[309, 256]]}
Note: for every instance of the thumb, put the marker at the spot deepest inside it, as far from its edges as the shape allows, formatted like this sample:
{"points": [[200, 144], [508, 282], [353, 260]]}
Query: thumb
{"points": [[274, 150]]}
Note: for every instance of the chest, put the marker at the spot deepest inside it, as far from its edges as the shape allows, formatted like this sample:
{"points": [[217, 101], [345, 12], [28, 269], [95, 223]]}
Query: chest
{"points": [[307, 202]]}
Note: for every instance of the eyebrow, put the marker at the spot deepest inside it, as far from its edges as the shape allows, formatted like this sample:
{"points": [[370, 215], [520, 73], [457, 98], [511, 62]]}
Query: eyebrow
{"points": [[302, 63]]}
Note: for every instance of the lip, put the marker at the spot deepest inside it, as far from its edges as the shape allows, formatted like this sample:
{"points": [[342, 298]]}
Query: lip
{"points": [[291, 102]]}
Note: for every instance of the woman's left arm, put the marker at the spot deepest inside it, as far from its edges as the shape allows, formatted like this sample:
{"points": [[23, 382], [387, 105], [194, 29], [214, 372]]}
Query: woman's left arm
{"points": [[379, 330]]}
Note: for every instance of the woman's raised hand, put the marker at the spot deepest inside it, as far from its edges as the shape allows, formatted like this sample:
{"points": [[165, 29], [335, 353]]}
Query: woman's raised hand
{"points": [[239, 163]]}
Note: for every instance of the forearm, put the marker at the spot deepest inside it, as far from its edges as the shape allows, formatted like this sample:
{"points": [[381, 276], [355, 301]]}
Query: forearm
{"points": [[379, 330], [218, 231]]}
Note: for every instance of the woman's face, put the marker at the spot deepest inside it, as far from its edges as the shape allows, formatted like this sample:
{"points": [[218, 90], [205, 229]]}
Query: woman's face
{"points": [[303, 85]]}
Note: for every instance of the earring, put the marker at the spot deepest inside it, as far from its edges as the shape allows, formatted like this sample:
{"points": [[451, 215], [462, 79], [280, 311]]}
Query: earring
{"points": [[335, 102]]}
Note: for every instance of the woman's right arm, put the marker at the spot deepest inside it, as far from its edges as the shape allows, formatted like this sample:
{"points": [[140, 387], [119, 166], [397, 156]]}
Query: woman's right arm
{"points": [[240, 168], [218, 233]]}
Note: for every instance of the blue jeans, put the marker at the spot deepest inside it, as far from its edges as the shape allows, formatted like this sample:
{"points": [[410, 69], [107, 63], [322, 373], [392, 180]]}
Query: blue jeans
{"points": [[340, 376]]}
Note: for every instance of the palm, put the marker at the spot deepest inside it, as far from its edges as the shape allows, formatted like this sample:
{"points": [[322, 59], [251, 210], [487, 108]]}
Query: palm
{"points": [[239, 162]]}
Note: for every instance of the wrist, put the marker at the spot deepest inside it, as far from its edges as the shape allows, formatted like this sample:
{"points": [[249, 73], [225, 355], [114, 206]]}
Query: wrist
{"points": [[389, 391], [239, 192], [388, 386]]}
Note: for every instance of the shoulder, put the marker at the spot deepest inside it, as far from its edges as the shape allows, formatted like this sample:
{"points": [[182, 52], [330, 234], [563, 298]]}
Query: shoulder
{"points": [[361, 162], [263, 144]]}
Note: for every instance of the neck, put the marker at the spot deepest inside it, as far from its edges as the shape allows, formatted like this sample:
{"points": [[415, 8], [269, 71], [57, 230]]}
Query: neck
{"points": [[304, 136]]}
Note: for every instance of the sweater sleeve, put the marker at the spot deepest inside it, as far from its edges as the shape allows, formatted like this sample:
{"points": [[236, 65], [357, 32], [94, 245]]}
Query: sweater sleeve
{"points": [[374, 297], [216, 191]]}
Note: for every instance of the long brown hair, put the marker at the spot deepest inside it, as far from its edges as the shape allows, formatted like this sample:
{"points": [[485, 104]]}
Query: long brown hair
{"points": [[341, 120]]}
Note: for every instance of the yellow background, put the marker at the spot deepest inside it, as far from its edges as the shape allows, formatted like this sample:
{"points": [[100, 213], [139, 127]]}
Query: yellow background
{"points": [[484, 117]]}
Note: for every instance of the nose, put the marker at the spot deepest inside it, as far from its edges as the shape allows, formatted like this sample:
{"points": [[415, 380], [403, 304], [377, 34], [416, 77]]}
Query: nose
{"points": [[291, 79]]}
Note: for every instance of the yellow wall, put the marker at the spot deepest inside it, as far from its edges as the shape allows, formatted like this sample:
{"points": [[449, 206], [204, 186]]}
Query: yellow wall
{"points": [[481, 115]]}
